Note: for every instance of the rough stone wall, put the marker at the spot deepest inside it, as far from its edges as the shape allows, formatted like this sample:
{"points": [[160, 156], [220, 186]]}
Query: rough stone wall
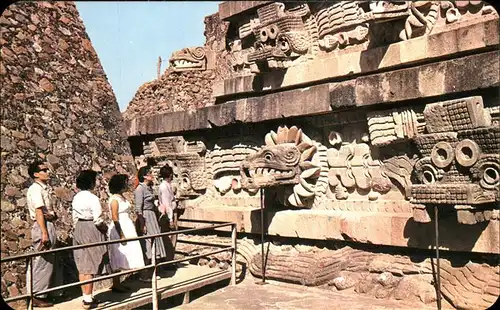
{"points": [[174, 91], [188, 90], [58, 106]]}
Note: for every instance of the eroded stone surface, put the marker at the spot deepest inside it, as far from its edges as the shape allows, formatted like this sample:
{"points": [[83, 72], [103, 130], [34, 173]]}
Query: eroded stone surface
{"points": [[275, 295], [57, 106], [445, 41], [277, 35], [382, 276], [368, 115], [459, 75]]}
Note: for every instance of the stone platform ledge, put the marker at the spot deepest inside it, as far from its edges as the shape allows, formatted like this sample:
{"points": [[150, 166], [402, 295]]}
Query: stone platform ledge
{"points": [[445, 41], [392, 229], [467, 73]]}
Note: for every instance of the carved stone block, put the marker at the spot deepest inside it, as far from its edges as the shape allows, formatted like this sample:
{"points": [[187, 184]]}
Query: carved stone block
{"points": [[170, 144], [352, 166], [420, 214], [191, 59], [186, 159], [451, 194], [487, 138], [426, 142], [456, 115], [225, 167], [399, 169], [386, 127], [280, 35], [437, 118], [460, 164]]}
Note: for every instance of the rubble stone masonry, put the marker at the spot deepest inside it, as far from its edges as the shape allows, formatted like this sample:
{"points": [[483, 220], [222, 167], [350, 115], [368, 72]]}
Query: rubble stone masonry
{"points": [[56, 105], [188, 90]]}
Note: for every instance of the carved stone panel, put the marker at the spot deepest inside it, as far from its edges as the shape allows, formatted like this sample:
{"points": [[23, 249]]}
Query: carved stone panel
{"points": [[283, 34], [186, 159], [225, 167], [459, 162], [395, 125], [351, 166]]}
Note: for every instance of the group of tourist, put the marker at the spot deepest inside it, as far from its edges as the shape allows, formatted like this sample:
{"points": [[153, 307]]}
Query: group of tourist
{"points": [[154, 216]]}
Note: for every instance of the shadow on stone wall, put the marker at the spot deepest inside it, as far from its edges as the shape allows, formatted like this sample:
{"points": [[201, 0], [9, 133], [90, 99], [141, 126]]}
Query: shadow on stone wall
{"points": [[460, 237]]}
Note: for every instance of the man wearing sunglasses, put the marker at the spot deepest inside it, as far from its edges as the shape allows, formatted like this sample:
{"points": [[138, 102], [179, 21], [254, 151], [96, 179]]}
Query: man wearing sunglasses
{"points": [[43, 232]]}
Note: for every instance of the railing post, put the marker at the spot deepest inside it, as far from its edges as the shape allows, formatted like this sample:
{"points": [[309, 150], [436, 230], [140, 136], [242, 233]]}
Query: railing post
{"points": [[233, 258], [438, 276], [29, 281], [153, 281]]}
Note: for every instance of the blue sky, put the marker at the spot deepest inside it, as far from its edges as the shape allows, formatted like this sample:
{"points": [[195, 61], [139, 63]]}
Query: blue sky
{"points": [[129, 37]]}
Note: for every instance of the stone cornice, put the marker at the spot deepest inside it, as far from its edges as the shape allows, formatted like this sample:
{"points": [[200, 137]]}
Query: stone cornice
{"points": [[446, 41], [462, 74]]}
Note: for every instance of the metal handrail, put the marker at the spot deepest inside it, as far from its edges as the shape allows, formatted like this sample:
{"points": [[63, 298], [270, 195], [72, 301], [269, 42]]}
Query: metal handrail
{"points": [[30, 294], [82, 246]]}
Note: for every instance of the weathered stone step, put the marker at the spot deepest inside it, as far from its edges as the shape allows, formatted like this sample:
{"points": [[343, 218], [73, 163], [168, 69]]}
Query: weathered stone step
{"points": [[186, 278]]}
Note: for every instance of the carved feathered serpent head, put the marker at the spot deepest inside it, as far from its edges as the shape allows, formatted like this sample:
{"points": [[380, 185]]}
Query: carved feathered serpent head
{"points": [[190, 58], [286, 158]]}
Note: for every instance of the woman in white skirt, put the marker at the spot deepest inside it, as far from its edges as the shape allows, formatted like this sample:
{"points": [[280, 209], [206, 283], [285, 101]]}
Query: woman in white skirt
{"points": [[124, 255]]}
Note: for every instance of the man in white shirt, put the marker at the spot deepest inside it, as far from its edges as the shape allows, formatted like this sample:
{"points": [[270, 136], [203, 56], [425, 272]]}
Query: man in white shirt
{"points": [[45, 268]]}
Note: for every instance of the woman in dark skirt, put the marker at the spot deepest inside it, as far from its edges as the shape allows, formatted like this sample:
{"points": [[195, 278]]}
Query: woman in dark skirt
{"points": [[147, 214], [89, 227]]}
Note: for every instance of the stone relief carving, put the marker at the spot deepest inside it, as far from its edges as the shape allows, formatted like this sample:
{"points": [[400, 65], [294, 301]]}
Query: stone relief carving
{"points": [[291, 160], [186, 158], [279, 35], [225, 167], [352, 166], [189, 59], [198, 172], [457, 162], [446, 154], [395, 125], [455, 10], [307, 174], [399, 169], [450, 156]]}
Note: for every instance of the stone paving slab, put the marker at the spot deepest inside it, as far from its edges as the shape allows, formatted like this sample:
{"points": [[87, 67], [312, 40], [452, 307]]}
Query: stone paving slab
{"points": [[186, 278], [276, 295]]}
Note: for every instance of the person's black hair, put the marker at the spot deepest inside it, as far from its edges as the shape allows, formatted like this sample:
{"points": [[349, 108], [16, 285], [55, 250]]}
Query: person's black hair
{"points": [[143, 171], [166, 172], [34, 167], [86, 180], [117, 183]]}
